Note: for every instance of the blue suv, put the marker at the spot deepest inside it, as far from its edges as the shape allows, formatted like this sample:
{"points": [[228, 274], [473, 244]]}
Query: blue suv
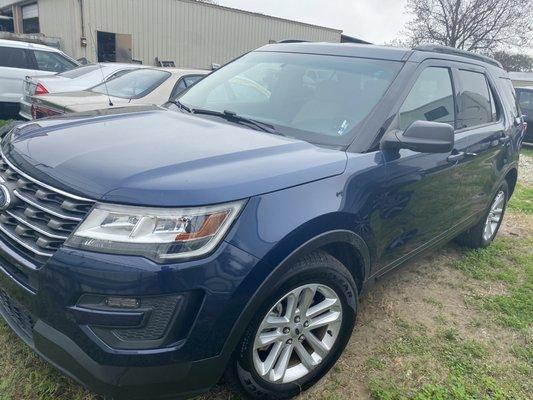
{"points": [[147, 252]]}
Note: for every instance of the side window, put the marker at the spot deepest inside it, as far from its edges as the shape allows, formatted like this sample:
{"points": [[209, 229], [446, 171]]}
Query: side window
{"points": [[53, 62], [192, 79], [475, 105], [180, 87], [430, 99], [13, 57], [510, 96]]}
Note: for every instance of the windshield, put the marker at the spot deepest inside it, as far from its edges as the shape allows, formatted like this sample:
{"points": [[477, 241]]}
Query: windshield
{"points": [[313, 97], [134, 84]]}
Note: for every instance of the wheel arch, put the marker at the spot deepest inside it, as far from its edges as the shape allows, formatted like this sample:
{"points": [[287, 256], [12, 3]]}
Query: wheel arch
{"points": [[511, 177], [346, 246]]}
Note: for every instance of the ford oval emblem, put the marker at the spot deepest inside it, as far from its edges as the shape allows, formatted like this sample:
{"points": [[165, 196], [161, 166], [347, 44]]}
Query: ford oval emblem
{"points": [[5, 197]]}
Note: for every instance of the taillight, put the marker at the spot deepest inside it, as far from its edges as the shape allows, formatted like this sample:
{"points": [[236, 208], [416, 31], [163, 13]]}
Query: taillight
{"points": [[38, 112], [40, 89]]}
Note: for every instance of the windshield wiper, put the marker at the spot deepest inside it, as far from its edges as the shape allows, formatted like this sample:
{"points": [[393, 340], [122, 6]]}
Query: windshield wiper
{"points": [[234, 117], [180, 105]]}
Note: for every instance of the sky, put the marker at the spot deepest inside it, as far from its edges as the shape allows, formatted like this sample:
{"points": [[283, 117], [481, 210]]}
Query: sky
{"points": [[376, 21]]}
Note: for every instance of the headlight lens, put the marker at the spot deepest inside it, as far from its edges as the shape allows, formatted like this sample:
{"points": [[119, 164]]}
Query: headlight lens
{"points": [[156, 233]]}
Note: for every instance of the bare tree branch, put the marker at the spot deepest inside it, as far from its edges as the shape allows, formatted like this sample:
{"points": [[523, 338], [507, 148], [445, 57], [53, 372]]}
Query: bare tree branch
{"points": [[477, 25]]}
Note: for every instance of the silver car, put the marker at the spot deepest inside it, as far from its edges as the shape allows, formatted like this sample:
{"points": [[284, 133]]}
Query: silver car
{"points": [[74, 80]]}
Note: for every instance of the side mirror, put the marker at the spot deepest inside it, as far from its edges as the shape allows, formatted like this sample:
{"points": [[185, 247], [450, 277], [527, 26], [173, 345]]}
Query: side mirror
{"points": [[421, 136]]}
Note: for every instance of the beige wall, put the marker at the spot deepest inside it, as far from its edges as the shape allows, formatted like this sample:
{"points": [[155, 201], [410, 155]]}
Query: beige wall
{"points": [[191, 34]]}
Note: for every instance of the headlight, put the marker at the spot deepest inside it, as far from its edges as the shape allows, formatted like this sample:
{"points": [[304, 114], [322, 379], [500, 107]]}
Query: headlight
{"points": [[156, 233]]}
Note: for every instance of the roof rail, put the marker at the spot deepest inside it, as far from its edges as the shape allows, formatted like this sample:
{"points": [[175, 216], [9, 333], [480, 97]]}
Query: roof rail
{"points": [[436, 48]]}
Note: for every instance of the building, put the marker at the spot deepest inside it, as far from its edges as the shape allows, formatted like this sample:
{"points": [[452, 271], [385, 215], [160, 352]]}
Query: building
{"points": [[189, 33], [521, 79]]}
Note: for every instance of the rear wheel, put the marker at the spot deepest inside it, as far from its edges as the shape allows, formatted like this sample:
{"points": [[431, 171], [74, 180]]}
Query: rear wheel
{"points": [[482, 234], [299, 332]]}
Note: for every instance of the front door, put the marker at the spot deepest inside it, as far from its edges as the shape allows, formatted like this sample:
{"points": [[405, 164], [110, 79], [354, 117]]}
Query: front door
{"points": [[418, 198]]}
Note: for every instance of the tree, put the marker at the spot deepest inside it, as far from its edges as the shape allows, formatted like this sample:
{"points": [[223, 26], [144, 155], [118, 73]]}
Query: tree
{"points": [[514, 62], [475, 25]]}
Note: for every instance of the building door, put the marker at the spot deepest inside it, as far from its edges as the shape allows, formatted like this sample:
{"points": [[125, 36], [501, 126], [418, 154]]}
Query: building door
{"points": [[114, 47]]}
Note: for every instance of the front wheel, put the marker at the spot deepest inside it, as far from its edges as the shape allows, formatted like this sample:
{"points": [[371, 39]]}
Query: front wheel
{"points": [[298, 333]]}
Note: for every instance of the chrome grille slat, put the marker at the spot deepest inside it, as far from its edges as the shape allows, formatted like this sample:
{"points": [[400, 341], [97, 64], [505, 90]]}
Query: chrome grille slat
{"points": [[43, 208], [41, 217], [21, 242], [35, 227]]}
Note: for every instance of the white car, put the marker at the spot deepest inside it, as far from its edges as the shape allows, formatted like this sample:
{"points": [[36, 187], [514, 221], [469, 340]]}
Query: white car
{"points": [[20, 59], [139, 87], [80, 78]]}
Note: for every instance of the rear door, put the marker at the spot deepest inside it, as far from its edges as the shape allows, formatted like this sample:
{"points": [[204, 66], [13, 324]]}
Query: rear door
{"points": [[15, 64], [480, 120]]}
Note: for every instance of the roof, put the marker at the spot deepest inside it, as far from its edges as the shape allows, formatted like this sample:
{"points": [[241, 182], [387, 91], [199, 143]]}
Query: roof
{"points": [[341, 49], [26, 45], [384, 52]]}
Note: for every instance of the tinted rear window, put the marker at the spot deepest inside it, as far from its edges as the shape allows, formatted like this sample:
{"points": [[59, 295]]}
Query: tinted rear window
{"points": [[509, 94], [13, 57], [475, 106]]}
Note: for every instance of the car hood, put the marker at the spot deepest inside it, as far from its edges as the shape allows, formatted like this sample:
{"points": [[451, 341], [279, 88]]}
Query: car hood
{"points": [[153, 156]]}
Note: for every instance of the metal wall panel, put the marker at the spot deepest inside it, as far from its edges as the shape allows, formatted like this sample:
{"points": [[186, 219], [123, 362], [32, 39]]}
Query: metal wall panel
{"points": [[61, 19], [190, 33]]}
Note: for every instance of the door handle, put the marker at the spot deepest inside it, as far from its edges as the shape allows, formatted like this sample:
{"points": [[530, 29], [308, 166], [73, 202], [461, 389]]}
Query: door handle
{"points": [[504, 139], [456, 157]]}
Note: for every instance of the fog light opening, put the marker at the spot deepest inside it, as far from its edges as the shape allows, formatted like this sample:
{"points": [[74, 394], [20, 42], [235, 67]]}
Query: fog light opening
{"points": [[123, 302]]}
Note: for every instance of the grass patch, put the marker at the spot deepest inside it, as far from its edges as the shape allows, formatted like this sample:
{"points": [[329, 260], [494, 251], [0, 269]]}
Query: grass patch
{"points": [[508, 262], [442, 365], [522, 199], [25, 376], [2, 122], [527, 151]]}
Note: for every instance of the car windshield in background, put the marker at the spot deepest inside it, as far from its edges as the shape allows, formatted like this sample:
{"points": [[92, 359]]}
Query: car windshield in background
{"points": [[133, 85], [79, 71], [313, 97]]}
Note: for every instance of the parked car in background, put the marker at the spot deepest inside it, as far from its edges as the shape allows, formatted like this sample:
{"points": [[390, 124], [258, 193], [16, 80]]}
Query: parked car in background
{"points": [[144, 86], [148, 252], [525, 98], [80, 78], [21, 59]]}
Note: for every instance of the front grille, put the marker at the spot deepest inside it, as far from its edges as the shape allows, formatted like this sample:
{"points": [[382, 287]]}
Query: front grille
{"points": [[16, 315], [40, 218]]}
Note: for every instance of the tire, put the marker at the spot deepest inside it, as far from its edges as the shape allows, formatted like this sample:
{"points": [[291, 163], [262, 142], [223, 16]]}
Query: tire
{"points": [[475, 237], [317, 271]]}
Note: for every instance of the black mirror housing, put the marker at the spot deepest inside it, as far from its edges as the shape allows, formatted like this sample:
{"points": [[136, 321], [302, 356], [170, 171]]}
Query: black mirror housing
{"points": [[421, 136]]}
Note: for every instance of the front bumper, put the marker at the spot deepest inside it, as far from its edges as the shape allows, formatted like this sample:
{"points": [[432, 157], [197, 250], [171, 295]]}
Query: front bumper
{"points": [[45, 297]]}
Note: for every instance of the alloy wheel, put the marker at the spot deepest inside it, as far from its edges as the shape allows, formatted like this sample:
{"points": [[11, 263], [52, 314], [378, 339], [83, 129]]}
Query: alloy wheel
{"points": [[495, 216], [297, 334]]}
